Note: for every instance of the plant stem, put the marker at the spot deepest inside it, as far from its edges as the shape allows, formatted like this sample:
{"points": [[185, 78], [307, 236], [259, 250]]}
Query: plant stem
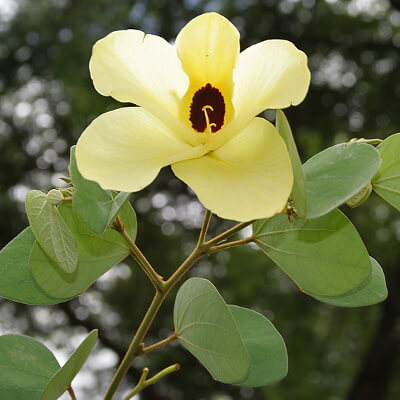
{"points": [[204, 228], [196, 254], [135, 344], [71, 393], [155, 279], [162, 290], [155, 346], [143, 383], [227, 234], [229, 245]]}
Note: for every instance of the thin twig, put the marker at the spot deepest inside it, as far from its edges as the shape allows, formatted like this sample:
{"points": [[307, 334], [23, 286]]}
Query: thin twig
{"points": [[157, 345], [155, 279], [229, 245], [227, 234], [204, 228], [143, 382]]}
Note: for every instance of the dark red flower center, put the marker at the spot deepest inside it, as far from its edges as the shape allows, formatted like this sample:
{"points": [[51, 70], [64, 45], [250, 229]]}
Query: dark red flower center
{"points": [[207, 104]]}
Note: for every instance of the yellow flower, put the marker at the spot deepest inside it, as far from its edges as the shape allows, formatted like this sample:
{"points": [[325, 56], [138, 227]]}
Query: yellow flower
{"points": [[198, 102]]}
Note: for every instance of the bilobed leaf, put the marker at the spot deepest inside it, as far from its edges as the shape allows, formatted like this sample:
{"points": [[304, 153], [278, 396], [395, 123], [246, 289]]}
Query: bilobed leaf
{"points": [[61, 381], [95, 206], [97, 254], [51, 231], [336, 174], [26, 367], [360, 197], [205, 326], [372, 291], [269, 361], [386, 182], [16, 280], [55, 196], [324, 256], [299, 184]]}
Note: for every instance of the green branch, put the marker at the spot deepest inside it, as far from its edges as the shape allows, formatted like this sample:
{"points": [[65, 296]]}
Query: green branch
{"points": [[135, 344], [204, 228], [155, 279], [227, 234], [159, 344], [229, 245], [162, 289], [143, 382]]}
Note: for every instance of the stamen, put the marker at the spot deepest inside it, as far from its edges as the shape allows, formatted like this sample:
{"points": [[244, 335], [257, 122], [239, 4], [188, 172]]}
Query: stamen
{"points": [[208, 125]]}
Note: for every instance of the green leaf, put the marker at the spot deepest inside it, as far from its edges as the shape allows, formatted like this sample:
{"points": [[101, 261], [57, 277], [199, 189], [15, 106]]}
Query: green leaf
{"points": [[55, 196], [51, 231], [17, 283], [360, 197], [26, 366], [61, 381], [372, 291], [205, 326], [97, 254], [386, 182], [299, 184], [96, 207], [269, 361], [324, 256], [337, 174]]}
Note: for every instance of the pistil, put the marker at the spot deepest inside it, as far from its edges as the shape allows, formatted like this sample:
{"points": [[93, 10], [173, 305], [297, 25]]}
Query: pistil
{"points": [[208, 124]]}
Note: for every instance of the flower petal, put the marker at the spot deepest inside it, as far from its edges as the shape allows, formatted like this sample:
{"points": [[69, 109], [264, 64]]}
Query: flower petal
{"points": [[270, 75], [125, 149], [249, 177], [141, 69], [208, 47]]}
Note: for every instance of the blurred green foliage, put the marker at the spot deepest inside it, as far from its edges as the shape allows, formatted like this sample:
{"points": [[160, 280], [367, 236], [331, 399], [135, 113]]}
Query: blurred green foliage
{"points": [[47, 99]]}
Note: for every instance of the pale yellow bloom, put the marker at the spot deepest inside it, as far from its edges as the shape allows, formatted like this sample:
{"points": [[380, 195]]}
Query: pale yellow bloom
{"points": [[198, 102]]}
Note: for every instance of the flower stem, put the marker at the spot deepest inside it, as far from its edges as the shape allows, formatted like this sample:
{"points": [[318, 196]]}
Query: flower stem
{"points": [[204, 228], [143, 382]]}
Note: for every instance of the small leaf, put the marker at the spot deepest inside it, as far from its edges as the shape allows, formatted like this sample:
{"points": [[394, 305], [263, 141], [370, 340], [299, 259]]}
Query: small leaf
{"points": [[269, 361], [386, 182], [17, 283], [324, 256], [299, 184], [61, 381], [26, 366], [337, 174], [205, 326], [51, 231], [54, 197], [97, 254], [372, 291], [96, 207], [360, 197]]}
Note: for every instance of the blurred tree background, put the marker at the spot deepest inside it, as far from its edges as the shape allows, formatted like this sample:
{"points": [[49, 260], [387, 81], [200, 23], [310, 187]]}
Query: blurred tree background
{"points": [[46, 101]]}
